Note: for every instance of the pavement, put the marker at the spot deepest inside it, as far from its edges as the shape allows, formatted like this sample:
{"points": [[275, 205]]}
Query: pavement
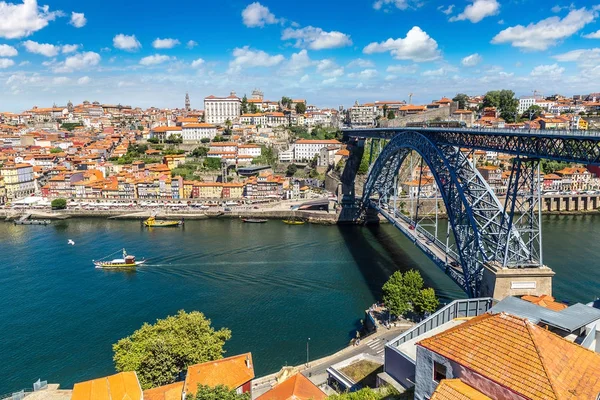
{"points": [[316, 370]]}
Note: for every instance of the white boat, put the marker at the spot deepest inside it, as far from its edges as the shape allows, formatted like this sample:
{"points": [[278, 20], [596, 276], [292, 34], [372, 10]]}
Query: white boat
{"points": [[127, 262]]}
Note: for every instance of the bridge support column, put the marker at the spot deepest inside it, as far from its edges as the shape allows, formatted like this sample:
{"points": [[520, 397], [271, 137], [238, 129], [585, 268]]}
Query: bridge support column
{"points": [[349, 212], [498, 282]]}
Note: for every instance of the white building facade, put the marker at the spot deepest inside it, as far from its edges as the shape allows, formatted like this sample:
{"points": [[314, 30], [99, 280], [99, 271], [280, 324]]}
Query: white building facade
{"points": [[305, 149], [217, 110], [197, 132]]}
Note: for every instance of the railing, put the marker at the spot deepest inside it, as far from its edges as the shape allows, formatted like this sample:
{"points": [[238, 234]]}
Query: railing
{"points": [[456, 309], [535, 132], [589, 339], [20, 395]]}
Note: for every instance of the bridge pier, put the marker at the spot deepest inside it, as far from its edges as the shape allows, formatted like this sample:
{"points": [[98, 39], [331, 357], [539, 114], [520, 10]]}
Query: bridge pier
{"points": [[350, 210], [498, 282]]}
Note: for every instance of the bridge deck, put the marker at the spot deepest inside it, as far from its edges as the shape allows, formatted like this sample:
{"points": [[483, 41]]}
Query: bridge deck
{"points": [[433, 248]]}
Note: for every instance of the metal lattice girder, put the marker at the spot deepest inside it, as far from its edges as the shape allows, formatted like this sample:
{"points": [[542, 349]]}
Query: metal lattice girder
{"points": [[477, 218], [569, 146]]}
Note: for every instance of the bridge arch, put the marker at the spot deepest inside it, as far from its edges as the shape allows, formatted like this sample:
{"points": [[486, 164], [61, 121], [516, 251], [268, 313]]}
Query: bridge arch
{"points": [[480, 225]]}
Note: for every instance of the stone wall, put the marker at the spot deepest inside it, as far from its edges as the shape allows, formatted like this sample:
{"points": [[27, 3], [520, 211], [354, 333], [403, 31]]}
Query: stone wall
{"points": [[443, 113]]}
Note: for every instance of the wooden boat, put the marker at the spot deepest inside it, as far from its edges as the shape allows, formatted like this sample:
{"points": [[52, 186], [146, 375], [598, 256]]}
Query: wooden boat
{"points": [[127, 262], [152, 222], [294, 221], [254, 220]]}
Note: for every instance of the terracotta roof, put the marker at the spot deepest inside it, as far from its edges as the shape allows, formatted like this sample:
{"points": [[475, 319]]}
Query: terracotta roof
{"points": [[521, 356], [199, 125], [121, 386], [545, 301], [311, 141], [232, 372], [298, 387], [455, 389], [167, 392]]}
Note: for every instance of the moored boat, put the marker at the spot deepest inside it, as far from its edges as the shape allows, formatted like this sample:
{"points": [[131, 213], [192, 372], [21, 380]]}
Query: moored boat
{"points": [[127, 262], [254, 220], [294, 221], [152, 222]]}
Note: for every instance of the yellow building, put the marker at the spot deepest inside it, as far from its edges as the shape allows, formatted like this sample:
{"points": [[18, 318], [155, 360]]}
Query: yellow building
{"points": [[18, 180], [209, 190], [233, 190], [174, 160], [2, 191], [583, 124]]}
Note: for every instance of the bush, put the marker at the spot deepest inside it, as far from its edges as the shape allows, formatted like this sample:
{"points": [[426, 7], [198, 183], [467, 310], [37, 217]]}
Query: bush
{"points": [[291, 170], [59, 204], [212, 163], [218, 392]]}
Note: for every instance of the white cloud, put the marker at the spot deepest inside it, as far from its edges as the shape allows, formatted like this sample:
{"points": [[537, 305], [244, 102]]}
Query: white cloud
{"points": [[6, 63], [448, 10], [257, 15], [552, 71], [60, 80], [45, 49], [329, 68], [399, 4], [547, 32], [587, 58], [125, 42], [21, 20], [361, 63], [329, 81], [478, 10], [197, 63], [7, 51], [297, 63], [191, 44], [78, 62], [593, 35], [154, 59], [165, 43], [403, 69], [304, 79], [316, 38], [472, 60], [417, 46], [247, 58], [364, 74], [69, 48], [434, 72], [84, 80], [391, 77], [78, 20]]}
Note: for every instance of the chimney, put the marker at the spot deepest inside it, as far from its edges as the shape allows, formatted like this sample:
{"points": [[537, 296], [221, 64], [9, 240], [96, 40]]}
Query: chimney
{"points": [[248, 365]]}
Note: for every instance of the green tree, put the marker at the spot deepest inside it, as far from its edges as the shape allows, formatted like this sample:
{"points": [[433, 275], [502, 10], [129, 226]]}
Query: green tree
{"points": [[244, 105], [204, 140], [462, 100], [383, 393], [385, 109], [426, 301], [160, 352], [291, 170], [199, 152], [400, 291], [533, 112], [253, 108], [59, 204], [219, 392], [212, 163], [174, 139], [391, 114], [286, 102], [153, 140], [300, 108], [504, 101], [228, 125], [56, 150]]}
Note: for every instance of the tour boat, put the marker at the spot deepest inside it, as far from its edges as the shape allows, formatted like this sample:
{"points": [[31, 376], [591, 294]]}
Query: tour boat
{"points": [[128, 261], [152, 222], [254, 220]]}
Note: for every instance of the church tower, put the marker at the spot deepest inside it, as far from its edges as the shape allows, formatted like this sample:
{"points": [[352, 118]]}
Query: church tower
{"points": [[187, 102]]}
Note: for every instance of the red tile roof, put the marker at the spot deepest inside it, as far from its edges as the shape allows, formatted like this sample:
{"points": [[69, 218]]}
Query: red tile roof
{"points": [[232, 372], [455, 389], [298, 387]]}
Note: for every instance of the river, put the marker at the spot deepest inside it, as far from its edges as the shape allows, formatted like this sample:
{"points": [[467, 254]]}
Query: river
{"points": [[273, 285]]}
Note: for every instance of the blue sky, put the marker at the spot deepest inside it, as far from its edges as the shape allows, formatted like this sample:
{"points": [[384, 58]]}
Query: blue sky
{"points": [[329, 52]]}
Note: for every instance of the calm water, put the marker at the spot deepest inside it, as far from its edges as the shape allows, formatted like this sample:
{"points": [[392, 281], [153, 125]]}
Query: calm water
{"points": [[273, 285]]}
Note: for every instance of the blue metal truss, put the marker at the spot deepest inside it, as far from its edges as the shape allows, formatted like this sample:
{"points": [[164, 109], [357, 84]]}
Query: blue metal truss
{"points": [[483, 230]]}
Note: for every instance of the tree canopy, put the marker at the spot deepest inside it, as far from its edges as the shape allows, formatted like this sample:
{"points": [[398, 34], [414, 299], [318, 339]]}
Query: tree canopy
{"points": [[160, 352], [199, 151], [404, 293], [244, 105], [300, 108], [286, 102], [462, 100], [291, 170], [219, 392], [212, 163], [504, 101], [59, 204], [532, 112]]}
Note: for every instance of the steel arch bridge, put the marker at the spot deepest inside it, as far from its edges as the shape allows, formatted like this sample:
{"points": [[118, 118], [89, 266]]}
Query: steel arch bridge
{"points": [[485, 230]]}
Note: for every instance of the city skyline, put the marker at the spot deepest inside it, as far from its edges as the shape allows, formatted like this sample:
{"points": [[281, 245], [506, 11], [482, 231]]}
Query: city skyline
{"points": [[53, 51]]}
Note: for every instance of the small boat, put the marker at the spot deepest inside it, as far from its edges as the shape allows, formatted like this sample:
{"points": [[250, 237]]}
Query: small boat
{"points": [[152, 222], [254, 220], [33, 222], [294, 221], [128, 261]]}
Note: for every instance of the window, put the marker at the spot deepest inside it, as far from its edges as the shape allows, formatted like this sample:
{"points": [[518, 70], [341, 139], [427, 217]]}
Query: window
{"points": [[439, 371]]}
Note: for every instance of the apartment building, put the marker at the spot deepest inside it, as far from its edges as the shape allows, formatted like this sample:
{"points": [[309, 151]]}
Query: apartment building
{"points": [[220, 109], [18, 180]]}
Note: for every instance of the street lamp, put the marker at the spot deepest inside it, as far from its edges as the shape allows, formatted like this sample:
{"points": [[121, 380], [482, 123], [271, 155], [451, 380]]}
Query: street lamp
{"points": [[307, 348]]}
